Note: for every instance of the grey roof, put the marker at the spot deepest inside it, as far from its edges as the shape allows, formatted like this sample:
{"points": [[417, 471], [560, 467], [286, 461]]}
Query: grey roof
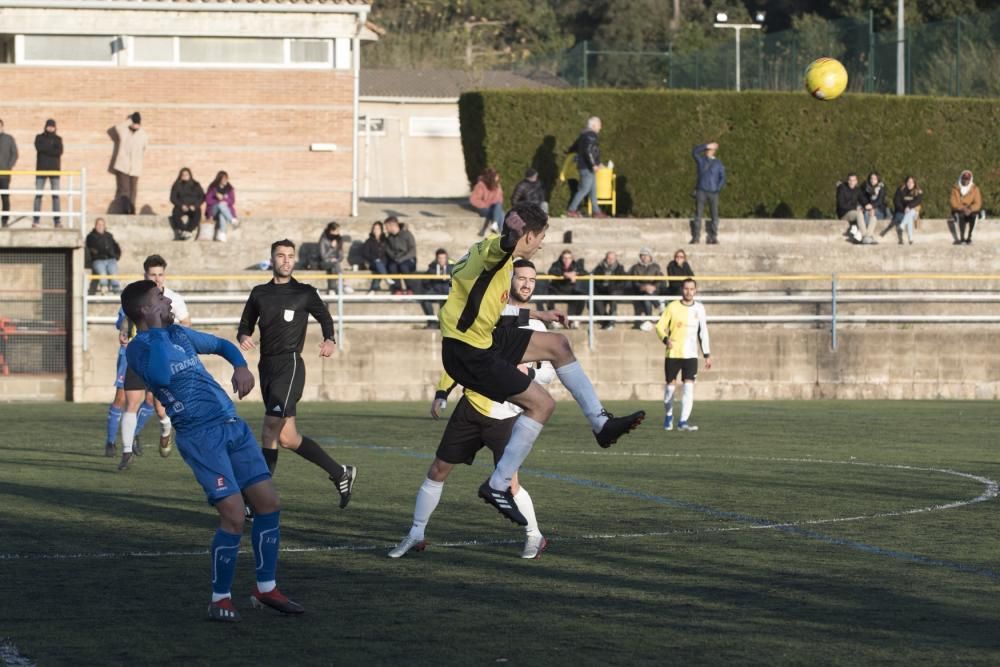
{"points": [[442, 83]]}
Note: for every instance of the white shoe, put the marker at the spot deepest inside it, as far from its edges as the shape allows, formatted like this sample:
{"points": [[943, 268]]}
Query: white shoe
{"points": [[494, 227], [534, 546], [348, 289], [235, 222], [220, 237], [407, 544], [684, 426], [646, 326]]}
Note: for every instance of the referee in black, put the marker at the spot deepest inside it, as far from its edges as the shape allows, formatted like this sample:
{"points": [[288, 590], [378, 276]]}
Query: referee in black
{"points": [[282, 307]]}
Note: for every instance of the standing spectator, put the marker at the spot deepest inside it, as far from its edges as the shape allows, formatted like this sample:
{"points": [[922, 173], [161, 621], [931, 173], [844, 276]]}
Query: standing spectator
{"points": [[645, 267], [132, 143], [530, 191], [609, 266], [850, 209], [104, 253], [8, 158], [711, 180], [49, 149], [487, 197], [906, 204], [374, 255], [588, 161], [873, 198], [569, 270], [186, 195], [966, 203], [441, 266], [220, 205], [331, 254], [678, 266], [401, 249]]}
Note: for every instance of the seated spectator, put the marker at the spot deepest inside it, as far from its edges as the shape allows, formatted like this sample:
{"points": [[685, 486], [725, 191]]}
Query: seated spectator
{"points": [[569, 270], [374, 255], [609, 266], [186, 195], [104, 253], [441, 266], [873, 198], [529, 191], [678, 266], [850, 208], [645, 267], [401, 250], [487, 198], [966, 204], [906, 203], [220, 205], [331, 254]]}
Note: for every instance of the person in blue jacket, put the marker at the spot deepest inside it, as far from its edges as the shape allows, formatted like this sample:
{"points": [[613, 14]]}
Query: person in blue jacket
{"points": [[711, 180]]}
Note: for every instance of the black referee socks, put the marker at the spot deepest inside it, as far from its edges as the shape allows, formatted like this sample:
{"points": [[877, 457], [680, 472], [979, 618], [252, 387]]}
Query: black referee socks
{"points": [[312, 452], [270, 458]]}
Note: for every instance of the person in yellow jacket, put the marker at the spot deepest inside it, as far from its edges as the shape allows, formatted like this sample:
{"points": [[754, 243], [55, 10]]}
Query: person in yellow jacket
{"points": [[683, 327], [966, 202]]}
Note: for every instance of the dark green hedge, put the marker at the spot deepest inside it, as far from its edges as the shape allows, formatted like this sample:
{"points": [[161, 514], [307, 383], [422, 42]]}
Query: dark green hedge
{"points": [[783, 152]]}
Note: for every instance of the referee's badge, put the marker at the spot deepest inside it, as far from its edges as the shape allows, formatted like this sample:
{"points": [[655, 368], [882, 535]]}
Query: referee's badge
{"points": [[289, 315]]}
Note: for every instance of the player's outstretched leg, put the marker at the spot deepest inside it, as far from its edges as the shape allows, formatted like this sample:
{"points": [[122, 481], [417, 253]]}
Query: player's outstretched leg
{"points": [[128, 439], [284, 431], [225, 549], [428, 497], [266, 537]]}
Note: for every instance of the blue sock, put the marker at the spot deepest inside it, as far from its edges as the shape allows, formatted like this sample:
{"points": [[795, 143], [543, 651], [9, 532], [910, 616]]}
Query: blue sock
{"points": [[114, 420], [266, 537], [225, 548], [145, 412]]}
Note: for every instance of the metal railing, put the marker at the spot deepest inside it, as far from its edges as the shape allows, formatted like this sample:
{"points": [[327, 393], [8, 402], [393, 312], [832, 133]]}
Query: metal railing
{"points": [[829, 292], [74, 194]]}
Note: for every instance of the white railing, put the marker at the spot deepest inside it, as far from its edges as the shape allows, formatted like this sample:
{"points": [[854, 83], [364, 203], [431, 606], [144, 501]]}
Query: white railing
{"points": [[72, 194]]}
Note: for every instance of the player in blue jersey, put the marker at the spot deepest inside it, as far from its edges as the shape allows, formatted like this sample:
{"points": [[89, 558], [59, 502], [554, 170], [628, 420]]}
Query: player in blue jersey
{"points": [[217, 445]]}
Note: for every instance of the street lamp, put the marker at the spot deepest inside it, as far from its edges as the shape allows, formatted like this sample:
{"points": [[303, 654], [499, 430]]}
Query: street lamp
{"points": [[722, 21]]}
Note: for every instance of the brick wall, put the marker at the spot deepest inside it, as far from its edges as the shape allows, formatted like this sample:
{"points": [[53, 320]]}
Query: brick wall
{"points": [[255, 124]]}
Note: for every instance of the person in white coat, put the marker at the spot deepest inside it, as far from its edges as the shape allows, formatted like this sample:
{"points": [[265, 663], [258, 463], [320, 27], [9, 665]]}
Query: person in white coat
{"points": [[132, 142]]}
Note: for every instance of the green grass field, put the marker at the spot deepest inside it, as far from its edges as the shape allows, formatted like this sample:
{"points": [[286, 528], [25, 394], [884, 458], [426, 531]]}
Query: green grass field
{"points": [[820, 532]]}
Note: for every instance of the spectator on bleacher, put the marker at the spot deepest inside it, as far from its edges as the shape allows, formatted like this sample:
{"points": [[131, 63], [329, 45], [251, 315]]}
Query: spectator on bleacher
{"points": [[588, 160], [569, 270], [678, 266], [49, 150], [609, 266], [873, 197], [186, 195], [529, 191], [104, 253], [401, 250], [331, 255], [8, 158], [711, 180], [645, 267], [373, 252], [220, 205], [906, 204], [441, 266], [966, 202], [850, 209], [487, 198], [132, 143]]}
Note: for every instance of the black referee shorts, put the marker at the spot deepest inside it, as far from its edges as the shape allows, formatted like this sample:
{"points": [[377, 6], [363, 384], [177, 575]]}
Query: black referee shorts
{"points": [[492, 372], [468, 431], [688, 368], [133, 381], [282, 379]]}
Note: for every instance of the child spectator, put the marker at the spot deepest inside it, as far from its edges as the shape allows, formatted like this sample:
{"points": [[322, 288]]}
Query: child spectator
{"points": [[373, 252], [220, 204], [529, 191], [487, 198], [906, 203], [609, 266], [568, 269], [645, 267], [104, 253], [401, 250], [678, 266], [966, 203], [186, 195]]}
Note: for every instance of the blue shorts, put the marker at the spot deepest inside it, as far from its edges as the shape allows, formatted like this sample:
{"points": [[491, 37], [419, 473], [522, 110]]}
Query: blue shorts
{"points": [[225, 458], [122, 367]]}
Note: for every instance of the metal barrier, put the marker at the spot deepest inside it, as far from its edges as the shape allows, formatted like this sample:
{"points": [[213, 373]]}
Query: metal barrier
{"points": [[75, 193], [834, 296]]}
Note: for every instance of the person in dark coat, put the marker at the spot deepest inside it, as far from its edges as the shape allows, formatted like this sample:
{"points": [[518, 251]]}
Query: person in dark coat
{"points": [[529, 191], [49, 147], [609, 266], [103, 252], [8, 158], [373, 252], [569, 270], [588, 161], [186, 195], [401, 250], [645, 267], [711, 180], [678, 266], [441, 266]]}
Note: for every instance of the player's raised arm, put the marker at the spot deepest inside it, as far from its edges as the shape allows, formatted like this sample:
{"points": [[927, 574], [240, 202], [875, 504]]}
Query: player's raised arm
{"points": [[204, 343], [248, 320], [152, 359], [441, 392]]}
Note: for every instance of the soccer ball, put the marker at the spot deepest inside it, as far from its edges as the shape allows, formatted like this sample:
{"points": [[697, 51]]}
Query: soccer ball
{"points": [[826, 79]]}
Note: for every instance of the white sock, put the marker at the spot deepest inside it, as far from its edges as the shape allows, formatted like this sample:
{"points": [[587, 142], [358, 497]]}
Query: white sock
{"points": [[128, 431], [220, 596], [165, 431], [266, 586], [687, 401], [522, 437], [428, 497], [574, 379], [527, 508], [668, 399]]}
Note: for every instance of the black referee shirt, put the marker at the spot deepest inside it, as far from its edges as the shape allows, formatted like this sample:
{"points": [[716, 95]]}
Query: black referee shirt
{"points": [[283, 312]]}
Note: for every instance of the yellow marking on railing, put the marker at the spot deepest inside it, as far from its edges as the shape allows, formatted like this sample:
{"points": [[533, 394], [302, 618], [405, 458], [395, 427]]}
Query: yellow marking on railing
{"points": [[32, 172]]}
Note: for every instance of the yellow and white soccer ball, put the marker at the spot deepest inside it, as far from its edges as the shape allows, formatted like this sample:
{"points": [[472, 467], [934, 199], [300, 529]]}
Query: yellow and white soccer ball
{"points": [[826, 79]]}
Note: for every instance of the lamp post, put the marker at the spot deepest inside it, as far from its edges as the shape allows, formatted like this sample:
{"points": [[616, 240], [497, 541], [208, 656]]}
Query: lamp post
{"points": [[722, 21]]}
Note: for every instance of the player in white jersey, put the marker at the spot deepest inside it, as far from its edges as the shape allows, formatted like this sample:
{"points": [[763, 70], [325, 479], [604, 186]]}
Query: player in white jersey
{"points": [[683, 327], [479, 422]]}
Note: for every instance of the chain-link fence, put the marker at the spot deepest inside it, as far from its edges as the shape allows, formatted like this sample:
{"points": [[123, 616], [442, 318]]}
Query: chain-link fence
{"points": [[34, 312]]}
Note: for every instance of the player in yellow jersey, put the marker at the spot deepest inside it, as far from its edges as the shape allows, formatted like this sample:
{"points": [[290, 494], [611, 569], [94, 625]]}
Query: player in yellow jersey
{"points": [[682, 328], [483, 357]]}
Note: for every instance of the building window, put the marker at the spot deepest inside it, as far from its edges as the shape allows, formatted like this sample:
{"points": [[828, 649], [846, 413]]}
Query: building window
{"points": [[153, 50], [312, 51], [376, 126], [232, 50], [65, 49], [434, 127]]}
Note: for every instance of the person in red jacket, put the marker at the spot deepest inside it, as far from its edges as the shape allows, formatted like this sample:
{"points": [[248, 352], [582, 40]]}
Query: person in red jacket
{"points": [[487, 198]]}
